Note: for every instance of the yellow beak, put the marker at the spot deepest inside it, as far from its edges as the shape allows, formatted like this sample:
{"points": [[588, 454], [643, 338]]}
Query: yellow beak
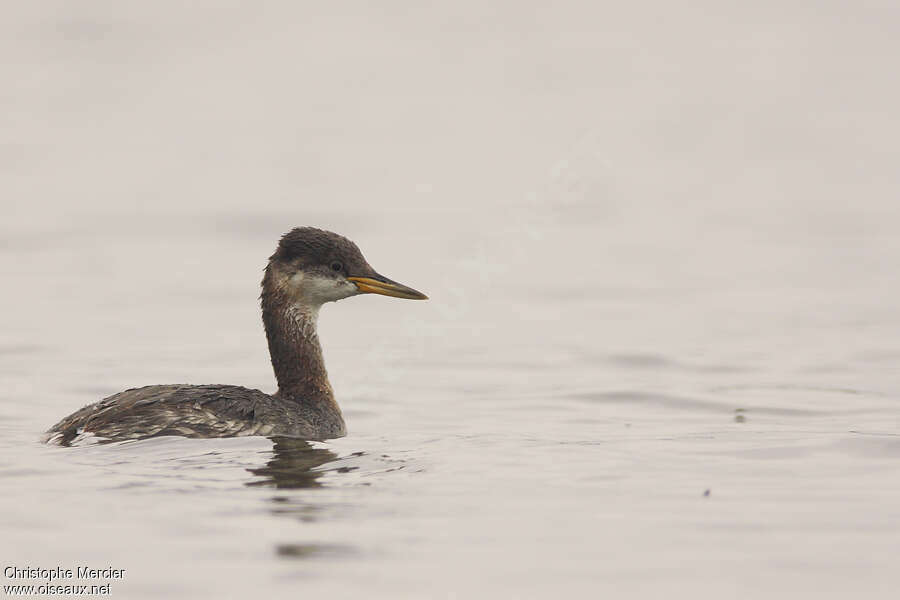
{"points": [[386, 287]]}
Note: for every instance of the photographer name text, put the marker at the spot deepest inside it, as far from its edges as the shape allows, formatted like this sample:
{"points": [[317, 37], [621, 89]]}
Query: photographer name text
{"points": [[52, 574]]}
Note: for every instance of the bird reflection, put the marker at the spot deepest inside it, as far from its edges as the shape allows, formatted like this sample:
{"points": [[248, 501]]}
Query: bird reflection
{"points": [[293, 465]]}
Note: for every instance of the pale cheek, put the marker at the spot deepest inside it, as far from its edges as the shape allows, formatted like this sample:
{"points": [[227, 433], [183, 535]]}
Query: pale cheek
{"points": [[343, 289], [312, 290], [350, 289], [318, 290]]}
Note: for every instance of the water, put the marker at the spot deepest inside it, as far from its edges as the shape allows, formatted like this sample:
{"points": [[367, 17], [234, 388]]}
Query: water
{"points": [[660, 355]]}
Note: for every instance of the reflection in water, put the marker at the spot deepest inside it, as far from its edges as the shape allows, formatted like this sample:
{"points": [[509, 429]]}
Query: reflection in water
{"points": [[293, 465], [302, 551]]}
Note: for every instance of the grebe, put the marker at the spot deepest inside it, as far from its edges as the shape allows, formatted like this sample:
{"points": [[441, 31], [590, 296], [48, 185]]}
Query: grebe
{"points": [[309, 268]]}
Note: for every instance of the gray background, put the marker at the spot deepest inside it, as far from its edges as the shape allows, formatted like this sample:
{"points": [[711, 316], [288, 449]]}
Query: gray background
{"points": [[660, 241]]}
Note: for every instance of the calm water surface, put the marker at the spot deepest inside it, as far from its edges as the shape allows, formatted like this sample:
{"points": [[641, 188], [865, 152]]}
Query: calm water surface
{"points": [[602, 436], [660, 355]]}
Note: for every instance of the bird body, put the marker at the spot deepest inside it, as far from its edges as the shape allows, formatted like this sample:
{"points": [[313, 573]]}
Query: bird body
{"points": [[190, 411], [309, 267]]}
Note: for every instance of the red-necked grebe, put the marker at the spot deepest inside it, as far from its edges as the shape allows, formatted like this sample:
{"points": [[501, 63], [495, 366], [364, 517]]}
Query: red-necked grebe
{"points": [[309, 268]]}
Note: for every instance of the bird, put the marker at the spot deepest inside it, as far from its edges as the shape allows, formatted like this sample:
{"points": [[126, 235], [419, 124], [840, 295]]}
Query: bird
{"points": [[310, 267]]}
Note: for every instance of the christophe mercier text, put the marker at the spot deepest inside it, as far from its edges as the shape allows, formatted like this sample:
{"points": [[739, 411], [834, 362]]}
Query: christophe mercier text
{"points": [[59, 573]]}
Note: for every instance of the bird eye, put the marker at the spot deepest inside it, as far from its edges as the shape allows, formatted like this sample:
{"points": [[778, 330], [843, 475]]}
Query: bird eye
{"points": [[337, 266]]}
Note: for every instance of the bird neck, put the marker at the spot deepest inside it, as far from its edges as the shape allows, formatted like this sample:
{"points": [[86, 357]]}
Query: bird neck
{"points": [[296, 353]]}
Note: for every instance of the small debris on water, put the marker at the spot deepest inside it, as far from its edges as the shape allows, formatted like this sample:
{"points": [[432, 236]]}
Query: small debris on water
{"points": [[706, 494], [739, 416]]}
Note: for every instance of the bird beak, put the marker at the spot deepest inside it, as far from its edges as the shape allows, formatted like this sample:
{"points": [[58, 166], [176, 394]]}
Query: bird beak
{"points": [[386, 287]]}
